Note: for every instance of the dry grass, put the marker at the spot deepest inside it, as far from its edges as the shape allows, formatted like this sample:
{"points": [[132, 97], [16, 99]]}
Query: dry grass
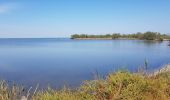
{"points": [[121, 85]]}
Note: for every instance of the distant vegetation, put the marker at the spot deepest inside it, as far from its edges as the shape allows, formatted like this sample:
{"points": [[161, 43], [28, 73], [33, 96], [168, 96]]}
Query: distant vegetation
{"points": [[121, 85], [143, 36]]}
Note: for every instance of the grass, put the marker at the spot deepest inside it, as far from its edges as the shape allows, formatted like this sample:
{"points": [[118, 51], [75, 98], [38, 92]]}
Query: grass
{"points": [[121, 85]]}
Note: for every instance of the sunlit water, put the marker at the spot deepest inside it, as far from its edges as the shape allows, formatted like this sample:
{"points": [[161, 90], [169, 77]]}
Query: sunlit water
{"points": [[56, 62]]}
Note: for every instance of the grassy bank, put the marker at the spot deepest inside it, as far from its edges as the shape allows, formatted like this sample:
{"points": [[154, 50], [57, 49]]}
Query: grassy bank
{"points": [[121, 85]]}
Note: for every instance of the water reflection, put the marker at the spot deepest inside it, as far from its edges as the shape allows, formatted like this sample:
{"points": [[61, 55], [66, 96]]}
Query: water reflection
{"points": [[59, 61]]}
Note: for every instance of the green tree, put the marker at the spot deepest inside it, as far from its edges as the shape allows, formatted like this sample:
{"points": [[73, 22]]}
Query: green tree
{"points": [[149, 36]]}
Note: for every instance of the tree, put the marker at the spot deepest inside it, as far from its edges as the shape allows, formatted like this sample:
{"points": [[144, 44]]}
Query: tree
{"points": [[149, 36]]}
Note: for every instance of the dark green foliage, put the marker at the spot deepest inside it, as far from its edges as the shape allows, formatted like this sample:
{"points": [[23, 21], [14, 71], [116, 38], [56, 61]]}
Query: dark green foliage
{"points": [[144, 36], [150, 36], [116, 35]]}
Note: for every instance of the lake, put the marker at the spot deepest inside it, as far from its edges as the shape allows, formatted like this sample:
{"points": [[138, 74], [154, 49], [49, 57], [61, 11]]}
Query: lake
{"points": [[55, 62]]}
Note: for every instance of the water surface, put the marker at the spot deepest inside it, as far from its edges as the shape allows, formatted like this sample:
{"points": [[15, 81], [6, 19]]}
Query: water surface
{"points": [[65, 61]]}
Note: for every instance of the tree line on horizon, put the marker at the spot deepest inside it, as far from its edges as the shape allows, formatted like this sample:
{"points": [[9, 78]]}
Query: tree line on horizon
{"points": [[143, 36]]}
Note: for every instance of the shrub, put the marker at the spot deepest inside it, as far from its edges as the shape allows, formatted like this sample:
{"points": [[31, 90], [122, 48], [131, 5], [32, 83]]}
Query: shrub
{"points": [[121, 85]]}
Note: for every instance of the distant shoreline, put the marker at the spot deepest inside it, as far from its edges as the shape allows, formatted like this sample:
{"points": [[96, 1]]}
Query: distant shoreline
{"points": [[115, 39], [154, 36], [104, 39]]}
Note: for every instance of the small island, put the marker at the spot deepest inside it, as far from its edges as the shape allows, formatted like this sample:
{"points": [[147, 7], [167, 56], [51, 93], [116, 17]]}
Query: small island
{"points": [[140, 36]]}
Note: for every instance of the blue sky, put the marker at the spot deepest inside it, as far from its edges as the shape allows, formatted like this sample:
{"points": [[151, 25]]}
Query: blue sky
{"points": [[61, 18]]}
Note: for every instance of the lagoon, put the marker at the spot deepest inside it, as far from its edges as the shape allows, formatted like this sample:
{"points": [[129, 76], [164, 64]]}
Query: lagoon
{"points": [[63, 61]]}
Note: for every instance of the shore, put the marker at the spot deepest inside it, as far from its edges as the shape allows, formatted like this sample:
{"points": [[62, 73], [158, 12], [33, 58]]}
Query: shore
{"points": [[163, 69], [104, 39], [114, 39], [119, 85]]}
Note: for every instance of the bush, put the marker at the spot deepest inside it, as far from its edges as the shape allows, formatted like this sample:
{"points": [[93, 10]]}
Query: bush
{"points": [[121, 85], [117, 86]]}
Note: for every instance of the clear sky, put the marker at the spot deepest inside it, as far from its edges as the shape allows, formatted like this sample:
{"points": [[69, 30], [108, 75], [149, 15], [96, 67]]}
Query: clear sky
{"points": [[61, 18]]}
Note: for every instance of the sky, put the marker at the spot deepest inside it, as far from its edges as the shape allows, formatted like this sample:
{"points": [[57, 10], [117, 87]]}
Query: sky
{"points": [[61, 18]]}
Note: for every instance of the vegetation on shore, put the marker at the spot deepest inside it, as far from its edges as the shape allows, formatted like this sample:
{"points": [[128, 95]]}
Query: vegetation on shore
{"points": [[121, 85], [143, 36]]}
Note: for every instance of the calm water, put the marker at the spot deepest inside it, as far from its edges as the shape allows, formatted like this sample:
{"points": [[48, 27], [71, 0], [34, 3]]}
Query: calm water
{"points": [[64, 61]]}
